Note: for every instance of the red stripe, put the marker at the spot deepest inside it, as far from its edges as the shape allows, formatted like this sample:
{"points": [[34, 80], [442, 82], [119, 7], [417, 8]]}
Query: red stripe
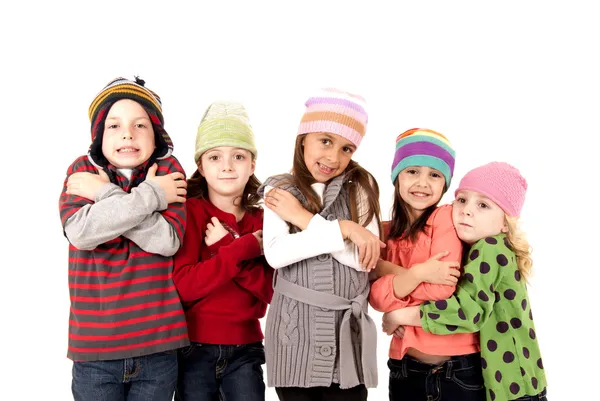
{"points": [[127, 347], [123, 296], [175, 222], [124, 309], [114, 337], [122, 283], [125, 322], [106, 262]]}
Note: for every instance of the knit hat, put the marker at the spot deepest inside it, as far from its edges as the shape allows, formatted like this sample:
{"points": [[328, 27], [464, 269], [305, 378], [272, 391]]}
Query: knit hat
{"points": [[224, 124], [500, 182], [121, 88], [335, 112], [424, 147]]}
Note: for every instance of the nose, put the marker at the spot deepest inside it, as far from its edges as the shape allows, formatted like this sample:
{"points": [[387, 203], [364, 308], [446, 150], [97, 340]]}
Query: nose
{"points": [[332, 156], [466, 210], [422, 181], [227, 164], [127, 134]]}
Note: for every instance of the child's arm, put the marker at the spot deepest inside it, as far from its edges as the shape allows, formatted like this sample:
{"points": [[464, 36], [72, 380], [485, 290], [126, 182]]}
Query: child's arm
{"points": [[196, 278], [161, 232], [470, 307], [257, 278]]}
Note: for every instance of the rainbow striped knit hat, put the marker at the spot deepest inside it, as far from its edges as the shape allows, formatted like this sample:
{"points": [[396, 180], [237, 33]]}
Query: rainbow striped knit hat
{"points": [[121, 88], [336, 112], [424, 147]]}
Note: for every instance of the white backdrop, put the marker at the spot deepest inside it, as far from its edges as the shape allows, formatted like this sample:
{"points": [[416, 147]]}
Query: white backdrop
{"points": [[512, 81]]}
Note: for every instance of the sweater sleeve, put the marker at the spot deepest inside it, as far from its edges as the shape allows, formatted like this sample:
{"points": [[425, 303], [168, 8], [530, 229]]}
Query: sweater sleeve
{"points": [[194, 277], [87, 224], [257, 278], [283, 248], [161, 232], [471, 306], [443, 238]]}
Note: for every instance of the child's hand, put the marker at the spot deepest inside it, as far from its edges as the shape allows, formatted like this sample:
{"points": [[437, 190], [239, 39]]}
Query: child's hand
{"points": [[390, 322], [399, 333], [86, 184], [173, 184], [287, 207], [436, 271], [259, 237], [368, 244], [214, 232]]}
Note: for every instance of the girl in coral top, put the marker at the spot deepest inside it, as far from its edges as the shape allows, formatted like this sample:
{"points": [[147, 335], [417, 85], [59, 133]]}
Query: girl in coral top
{"points": [[424, 365]]}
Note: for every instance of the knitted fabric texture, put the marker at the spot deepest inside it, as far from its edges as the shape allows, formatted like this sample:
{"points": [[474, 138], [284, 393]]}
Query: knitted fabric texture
{"points": [[336, 112], [118, 89], [500, 182], [424, 147], [224, 124]]}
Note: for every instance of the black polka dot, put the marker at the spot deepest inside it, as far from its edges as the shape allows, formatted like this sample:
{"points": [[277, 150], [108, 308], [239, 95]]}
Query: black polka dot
{"points": [[498, 376], [484, 268], [492, 345], [476, 318], [497, 296], [526, 352], [518, 275], [502, 260], [534, 382], [483, 363], [469, 277], [514, 388], [421, 314], [510, 294], [540, 364], [426, 303], [491, 287], [451, 327], [502, 327], [522, 372], [461, 314], [532, 334], [433, 315], [492, 395], [506, 243], [474, 254], [524, 304], [508, 357], [530, 315], [491, 240], [515, 322], [483, 296], [441, 305]]}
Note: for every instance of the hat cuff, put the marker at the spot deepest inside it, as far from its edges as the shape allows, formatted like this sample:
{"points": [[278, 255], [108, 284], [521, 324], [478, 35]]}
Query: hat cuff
{"points": [[424, 160], [331, 127]]}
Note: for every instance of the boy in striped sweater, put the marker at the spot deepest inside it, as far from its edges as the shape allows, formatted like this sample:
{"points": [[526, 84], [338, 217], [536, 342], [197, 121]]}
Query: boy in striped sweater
{"points": [[122, 211]]}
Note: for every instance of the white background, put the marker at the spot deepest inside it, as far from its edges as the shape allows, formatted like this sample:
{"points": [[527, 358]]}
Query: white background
{"points": [[514, 81]]}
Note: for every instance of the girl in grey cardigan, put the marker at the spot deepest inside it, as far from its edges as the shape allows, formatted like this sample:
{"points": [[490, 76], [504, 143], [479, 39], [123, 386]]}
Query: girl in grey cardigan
{"points": [[321, 233]]}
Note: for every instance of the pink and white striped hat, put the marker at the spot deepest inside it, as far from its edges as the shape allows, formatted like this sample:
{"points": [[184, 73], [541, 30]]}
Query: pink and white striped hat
{"points": [[336, 112]]}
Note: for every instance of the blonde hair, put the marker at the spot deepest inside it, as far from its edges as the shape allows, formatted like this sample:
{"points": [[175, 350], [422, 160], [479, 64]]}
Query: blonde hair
{"points": [[519, 245]]}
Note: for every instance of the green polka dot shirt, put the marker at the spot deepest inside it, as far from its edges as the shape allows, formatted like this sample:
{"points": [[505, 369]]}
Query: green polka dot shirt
{"points": [[491, 298]]}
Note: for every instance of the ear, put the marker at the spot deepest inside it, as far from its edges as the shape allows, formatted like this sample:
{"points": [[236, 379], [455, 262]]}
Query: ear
{"points": [[200, 170], [505, 228], [253, 166]]}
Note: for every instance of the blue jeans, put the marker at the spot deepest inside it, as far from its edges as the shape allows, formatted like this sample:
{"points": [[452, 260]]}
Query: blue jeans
{"points": [[145, 378], [459, 378], [209, 372]]}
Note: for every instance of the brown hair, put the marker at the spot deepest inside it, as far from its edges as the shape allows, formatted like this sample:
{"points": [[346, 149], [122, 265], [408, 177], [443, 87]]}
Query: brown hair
{"points": [[400, 226], [198, 188], [358, 181]]}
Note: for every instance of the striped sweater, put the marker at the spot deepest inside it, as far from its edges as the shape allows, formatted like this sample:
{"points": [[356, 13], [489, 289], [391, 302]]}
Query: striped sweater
{"points": [[123, 300]]}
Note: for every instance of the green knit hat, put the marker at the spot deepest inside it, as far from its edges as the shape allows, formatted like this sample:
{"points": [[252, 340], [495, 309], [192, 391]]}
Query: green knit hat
{"points": [[224, 124]]}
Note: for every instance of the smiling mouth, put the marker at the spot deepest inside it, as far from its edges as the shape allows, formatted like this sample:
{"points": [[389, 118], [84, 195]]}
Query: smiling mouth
{"points": [[420, 194], [127, 150], [325, 169]]}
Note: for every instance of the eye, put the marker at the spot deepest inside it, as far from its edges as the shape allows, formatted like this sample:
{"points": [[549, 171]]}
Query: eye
{"points": [[347, 149], [326, 141], [213, 158], [436, 175], [411, 171], [460, 200], [483, 205], [112, 126], [140, 126], [239, 157]]}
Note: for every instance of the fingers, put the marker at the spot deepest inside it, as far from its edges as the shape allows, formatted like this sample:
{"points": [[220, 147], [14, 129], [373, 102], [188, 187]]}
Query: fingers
{"points": [[439, 255], [103, 174], [454, 272], [152, 170], [216, 222], [177, 175]]}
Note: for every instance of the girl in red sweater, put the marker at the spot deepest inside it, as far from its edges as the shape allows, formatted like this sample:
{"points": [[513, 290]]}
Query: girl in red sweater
{"points": [[222, 277]]}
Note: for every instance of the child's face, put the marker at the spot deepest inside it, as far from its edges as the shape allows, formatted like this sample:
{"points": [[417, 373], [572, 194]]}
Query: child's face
{"points": [[128, 138], [475, 217], [327, 155], [420, 187], [227, 170]]}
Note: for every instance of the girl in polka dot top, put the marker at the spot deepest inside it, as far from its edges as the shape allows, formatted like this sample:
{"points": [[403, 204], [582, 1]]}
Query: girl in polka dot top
{"points": [[425, 365], [491, 297]]}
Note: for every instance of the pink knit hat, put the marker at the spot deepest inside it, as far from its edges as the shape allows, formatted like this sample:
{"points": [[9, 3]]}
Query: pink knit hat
{"points": [[500, 182], [337, 112]]}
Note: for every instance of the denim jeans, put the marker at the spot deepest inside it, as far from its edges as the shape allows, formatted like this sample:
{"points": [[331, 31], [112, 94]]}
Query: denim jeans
{"points": [[209, 372], [145, 378], [331, 393], [459, 378], [539, 397]]}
